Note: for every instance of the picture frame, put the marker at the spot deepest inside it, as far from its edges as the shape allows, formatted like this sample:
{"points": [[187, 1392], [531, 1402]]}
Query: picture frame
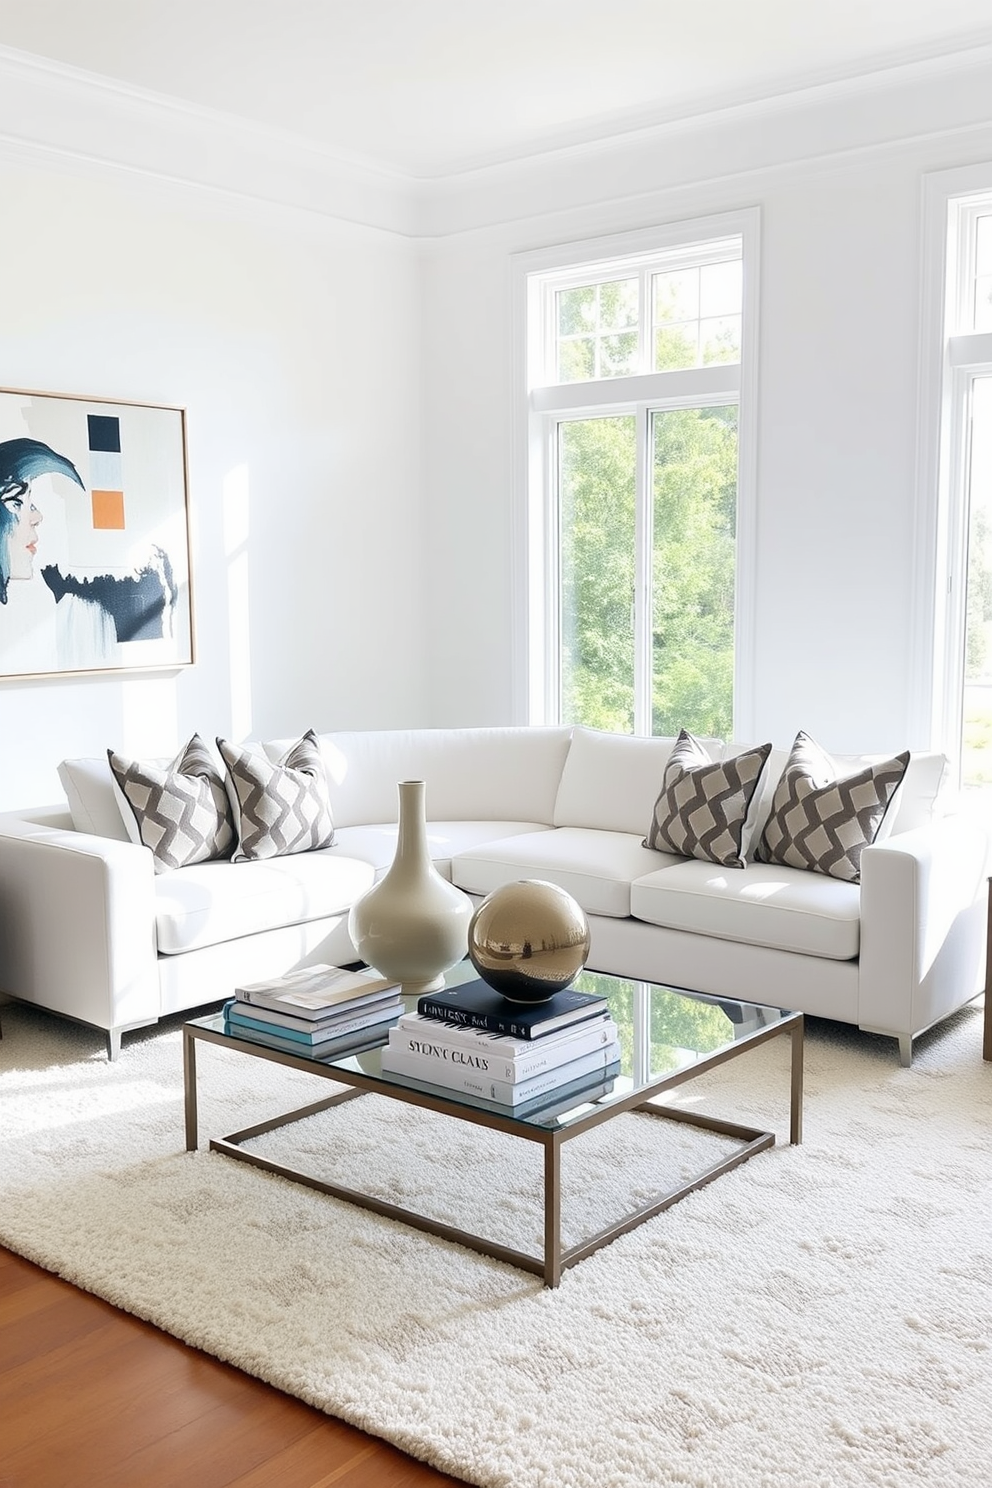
{"points": [[94, 536]]}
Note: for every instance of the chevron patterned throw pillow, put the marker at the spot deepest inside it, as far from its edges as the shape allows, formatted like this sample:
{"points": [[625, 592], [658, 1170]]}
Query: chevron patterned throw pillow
{"points": [[703, 806], [823, 821], [280, 809], [181, 810]]}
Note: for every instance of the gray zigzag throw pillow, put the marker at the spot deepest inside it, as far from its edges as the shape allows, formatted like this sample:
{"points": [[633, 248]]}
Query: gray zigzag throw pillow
{"points": [[181, 809], [703, 806], [283, 808], [822, 821]]}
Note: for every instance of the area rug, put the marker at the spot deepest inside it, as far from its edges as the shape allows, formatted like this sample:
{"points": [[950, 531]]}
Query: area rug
{"points": [[820, 1317]]}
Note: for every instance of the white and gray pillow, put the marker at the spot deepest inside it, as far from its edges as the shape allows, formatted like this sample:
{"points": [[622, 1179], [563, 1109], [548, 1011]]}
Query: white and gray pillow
{"points": [[822, 820], [279, 808], [703, 806], [179, 810]]}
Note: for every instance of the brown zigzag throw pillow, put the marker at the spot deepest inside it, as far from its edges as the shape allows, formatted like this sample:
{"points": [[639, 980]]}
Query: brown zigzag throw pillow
{"points": [[823, 821], [703, 806]]}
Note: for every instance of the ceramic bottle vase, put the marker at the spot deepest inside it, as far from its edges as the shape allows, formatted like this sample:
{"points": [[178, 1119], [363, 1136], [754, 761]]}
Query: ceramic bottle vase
{"points": [[412, 925]]}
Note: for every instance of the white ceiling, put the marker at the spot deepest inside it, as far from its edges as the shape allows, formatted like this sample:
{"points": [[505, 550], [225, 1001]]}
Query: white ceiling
{"points": [[430, 87]]}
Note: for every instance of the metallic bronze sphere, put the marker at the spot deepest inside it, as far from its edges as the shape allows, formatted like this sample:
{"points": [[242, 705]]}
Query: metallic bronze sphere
{"points": [[528, 940]]}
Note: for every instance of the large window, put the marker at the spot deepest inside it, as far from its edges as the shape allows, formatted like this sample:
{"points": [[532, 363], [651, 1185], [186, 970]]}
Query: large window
{"points": [[634, 484], [962, 713]]}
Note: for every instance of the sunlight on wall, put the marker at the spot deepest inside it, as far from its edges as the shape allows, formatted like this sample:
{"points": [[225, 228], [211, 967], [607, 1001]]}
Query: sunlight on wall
{"points": [[149, 714], [236, 525]]}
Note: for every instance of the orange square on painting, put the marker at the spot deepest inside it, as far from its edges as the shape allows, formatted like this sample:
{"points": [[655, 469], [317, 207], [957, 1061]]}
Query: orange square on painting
{"points": [[108, 510]]}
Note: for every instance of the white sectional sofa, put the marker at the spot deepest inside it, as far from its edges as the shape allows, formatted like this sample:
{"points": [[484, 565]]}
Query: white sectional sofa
{"points": [[90, 931]]}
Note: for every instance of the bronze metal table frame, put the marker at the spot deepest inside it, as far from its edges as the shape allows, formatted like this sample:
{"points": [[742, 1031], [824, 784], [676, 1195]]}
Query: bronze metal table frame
{"points": [[555, 1260]]}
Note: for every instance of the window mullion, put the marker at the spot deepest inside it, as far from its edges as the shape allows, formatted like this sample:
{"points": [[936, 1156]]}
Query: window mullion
{"points": [[957, 563], [645, 320], [643, 600]]}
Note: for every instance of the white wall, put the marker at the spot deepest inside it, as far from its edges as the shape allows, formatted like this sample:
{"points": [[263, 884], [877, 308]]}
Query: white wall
{"points": [[356, 523], [836, 651], [293, 344]]}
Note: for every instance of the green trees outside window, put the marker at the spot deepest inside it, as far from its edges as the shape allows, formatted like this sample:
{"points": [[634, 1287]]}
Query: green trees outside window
{"points": [[689, 526]]}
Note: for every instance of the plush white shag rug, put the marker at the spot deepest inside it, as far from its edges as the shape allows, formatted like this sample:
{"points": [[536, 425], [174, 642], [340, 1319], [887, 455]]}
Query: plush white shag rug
{"points": [[818, 1318]]}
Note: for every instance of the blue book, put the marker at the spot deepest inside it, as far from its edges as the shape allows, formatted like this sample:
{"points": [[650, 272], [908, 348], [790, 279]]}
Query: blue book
{"points": [[238, 1019], [476, 1005], [347, 1043]]}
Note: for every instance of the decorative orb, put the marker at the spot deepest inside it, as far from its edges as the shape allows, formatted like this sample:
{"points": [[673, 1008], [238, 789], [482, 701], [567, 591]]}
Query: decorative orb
{"points": [[528, 940]]}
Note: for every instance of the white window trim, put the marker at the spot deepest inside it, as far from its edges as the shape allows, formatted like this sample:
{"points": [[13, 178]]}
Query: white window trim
{"points": [[533, 548], [948, 359]]}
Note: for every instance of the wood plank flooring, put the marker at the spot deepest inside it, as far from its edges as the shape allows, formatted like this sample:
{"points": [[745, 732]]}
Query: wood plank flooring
{"points": [[91, 1397]]}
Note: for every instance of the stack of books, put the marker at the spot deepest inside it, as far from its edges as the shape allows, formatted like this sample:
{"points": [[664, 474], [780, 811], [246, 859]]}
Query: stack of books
{"points": [[316, 1011], [470, 1039]]}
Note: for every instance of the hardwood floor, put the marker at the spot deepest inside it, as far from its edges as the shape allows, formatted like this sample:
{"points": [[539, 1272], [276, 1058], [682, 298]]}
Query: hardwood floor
{"points": [[91, 1397]]}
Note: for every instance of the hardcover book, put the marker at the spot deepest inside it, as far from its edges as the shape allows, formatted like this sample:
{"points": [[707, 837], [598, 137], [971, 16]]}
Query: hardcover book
{"points": [[444, 1067], [311, 991], [501, 1056], [241, 1015], [567, 1097], [476, 1005], [346, 1043]]}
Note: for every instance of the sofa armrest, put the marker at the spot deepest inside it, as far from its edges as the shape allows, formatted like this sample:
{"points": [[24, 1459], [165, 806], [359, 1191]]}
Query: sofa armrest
{"points": [[77, 924], [923, 905]]}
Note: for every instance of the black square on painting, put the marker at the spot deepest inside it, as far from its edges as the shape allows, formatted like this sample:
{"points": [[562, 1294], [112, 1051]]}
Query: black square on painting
{"points": [[105, 432]]}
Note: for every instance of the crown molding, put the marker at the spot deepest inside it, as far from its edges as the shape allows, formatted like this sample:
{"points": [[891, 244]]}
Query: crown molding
{"points": [[88, 122], [906, 106], [78, 121], [620, 129]]}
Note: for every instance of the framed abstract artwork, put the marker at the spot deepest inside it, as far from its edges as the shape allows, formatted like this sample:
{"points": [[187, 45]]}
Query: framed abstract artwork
{"points": [[94, 536]]}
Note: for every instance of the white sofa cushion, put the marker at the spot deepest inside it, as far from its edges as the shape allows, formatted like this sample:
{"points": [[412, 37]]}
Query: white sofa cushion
{"points": [[611, 781], [788, 909], [93, 804], [214, 902], [915, 801], [376, 844], [504, 774], [596, 868]]}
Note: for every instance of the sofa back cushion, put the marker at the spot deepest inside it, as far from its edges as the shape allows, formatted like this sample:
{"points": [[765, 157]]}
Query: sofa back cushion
{"points": [[474, 774], [611, 781], [913, 805], [93, 802]]}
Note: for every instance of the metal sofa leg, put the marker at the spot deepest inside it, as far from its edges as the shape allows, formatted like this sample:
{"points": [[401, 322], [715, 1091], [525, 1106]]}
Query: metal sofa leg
{"points": [[113, 1044], [906, 1049]]}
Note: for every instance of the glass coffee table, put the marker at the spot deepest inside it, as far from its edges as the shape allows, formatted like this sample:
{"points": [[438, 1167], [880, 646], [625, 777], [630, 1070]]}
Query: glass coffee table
{"points": [[667, 1037]]}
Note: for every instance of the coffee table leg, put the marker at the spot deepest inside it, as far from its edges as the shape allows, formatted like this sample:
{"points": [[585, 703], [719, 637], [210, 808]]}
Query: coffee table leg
{"points": [[552, 1212], [796, 1112], [189, 1089]]}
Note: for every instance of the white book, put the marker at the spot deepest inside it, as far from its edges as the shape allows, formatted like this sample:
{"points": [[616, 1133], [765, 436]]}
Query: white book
{"points": [[506, 1058], [311, 990], [453, 1069]]}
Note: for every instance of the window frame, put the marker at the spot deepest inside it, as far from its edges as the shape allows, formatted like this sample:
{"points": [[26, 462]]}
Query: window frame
{"points": [[539, 403], [952, 356]]}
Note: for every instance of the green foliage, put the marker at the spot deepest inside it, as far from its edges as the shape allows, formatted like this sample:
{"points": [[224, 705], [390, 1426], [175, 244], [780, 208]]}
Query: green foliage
{"points": [[979, 602], [675, 1023], [674, 347], [618, 305], [596, 465], [694, 515]]}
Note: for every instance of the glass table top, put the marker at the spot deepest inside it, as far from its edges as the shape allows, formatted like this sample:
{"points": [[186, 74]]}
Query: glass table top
{"points": [[662, 1031]]}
